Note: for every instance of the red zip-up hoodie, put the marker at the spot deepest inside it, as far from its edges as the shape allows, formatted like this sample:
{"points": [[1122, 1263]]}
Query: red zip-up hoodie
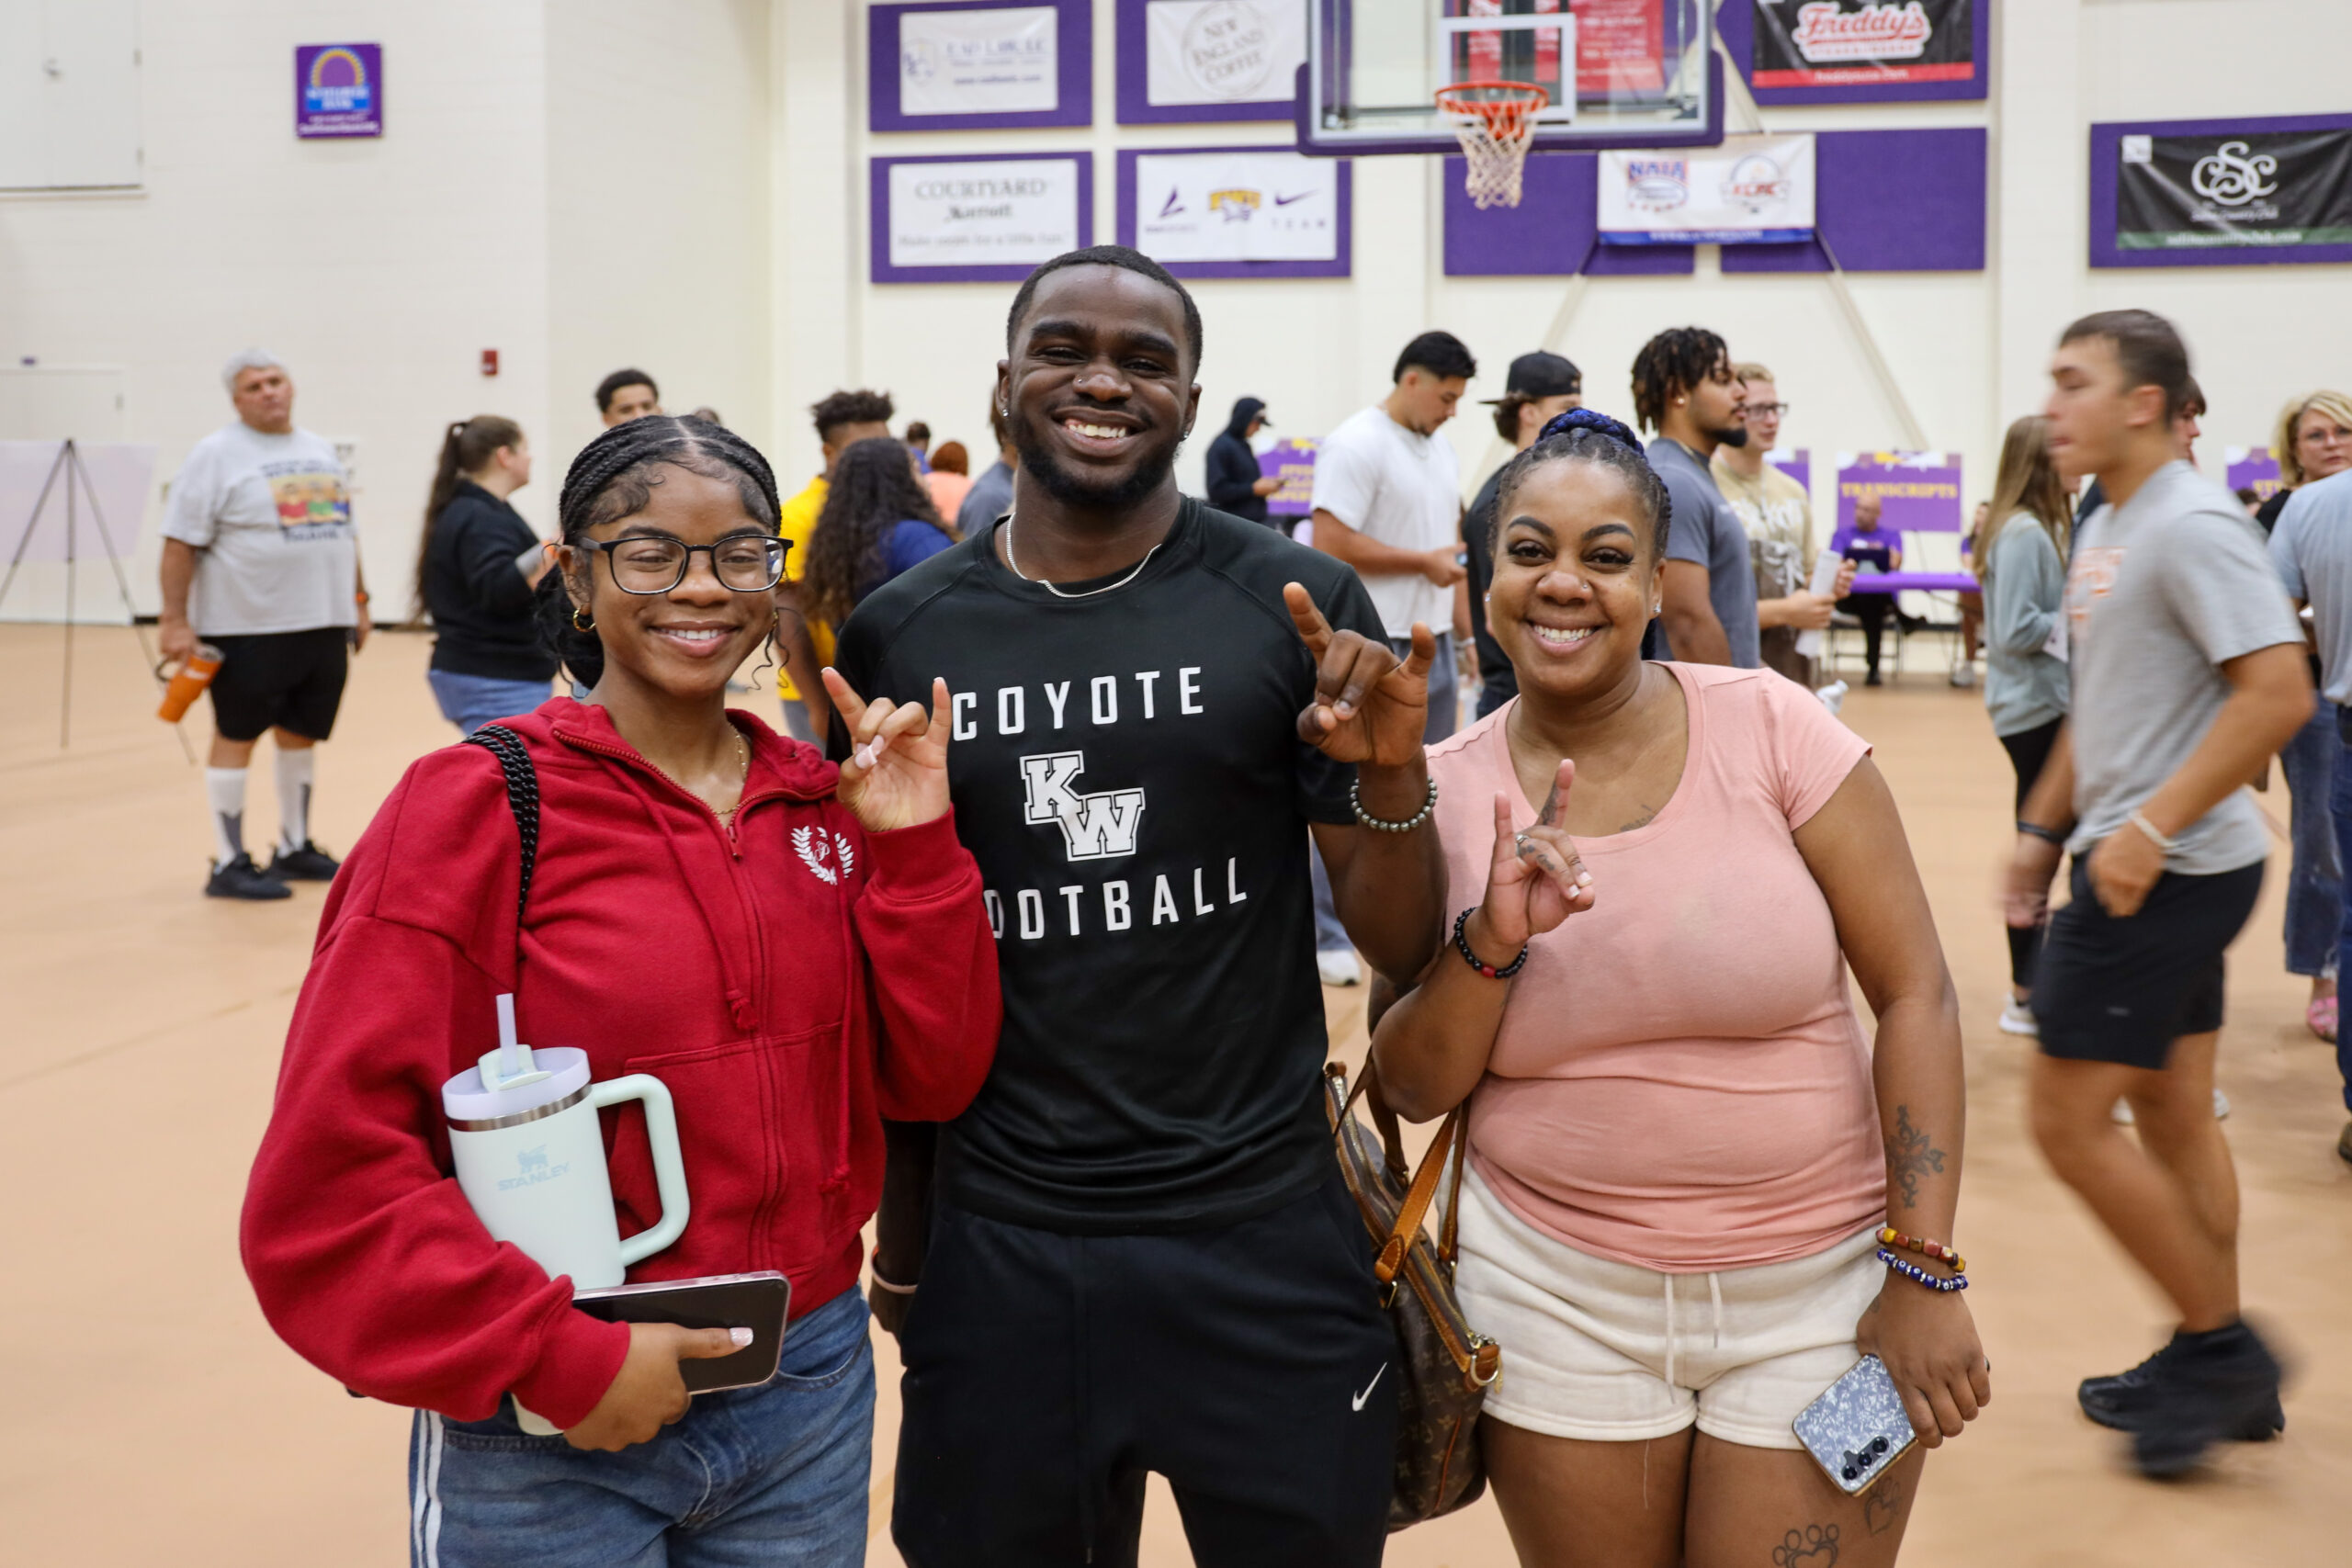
{"points": [[792, 980]]}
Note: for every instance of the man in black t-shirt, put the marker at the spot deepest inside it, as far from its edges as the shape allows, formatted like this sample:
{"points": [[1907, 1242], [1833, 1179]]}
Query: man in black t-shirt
{"points": [[1140, 1257]]}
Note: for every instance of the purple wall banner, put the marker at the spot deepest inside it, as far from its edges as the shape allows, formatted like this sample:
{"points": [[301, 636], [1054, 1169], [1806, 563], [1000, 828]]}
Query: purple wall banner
{"points": [[1887, 201], [338, 89], [962, 219], [2222, 192], [2252, 468], [1918, 491], [1293, 462], [1237, 211], [979, 65], [1852, 51], [1193, 60]]}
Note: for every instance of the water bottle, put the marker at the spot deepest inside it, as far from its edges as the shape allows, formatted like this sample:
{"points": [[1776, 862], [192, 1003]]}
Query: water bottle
{"points": [[530, 1158]]}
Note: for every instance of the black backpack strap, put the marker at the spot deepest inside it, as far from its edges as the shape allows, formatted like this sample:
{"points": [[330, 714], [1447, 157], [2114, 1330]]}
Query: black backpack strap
{"points": [[522, 797]]}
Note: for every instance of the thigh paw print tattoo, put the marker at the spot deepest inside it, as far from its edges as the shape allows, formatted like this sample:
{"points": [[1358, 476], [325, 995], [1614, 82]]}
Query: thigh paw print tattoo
{"points": [[1816, 1546]]}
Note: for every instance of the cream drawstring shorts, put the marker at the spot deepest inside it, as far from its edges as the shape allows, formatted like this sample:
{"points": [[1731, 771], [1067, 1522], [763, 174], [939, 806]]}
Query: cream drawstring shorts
{"points": [[1610, 1352]]}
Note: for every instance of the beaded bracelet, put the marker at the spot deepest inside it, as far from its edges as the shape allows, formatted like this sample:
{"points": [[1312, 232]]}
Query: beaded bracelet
{"points": [[1461, 943], [1935, 1249], [1920, 1276], [1355, 799]]}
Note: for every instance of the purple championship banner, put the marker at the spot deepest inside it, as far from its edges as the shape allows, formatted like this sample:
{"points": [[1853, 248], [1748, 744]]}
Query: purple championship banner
{"points": [[1918, 491], [338, 90]]}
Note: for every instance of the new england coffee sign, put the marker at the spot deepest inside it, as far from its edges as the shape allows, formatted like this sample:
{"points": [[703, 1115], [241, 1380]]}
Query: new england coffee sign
{"points": [[1835, 43], [1750, 190], [2245, 190]]}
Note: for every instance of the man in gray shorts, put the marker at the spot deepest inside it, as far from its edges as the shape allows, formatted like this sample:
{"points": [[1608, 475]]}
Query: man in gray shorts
{"points": [[2189, 675]]}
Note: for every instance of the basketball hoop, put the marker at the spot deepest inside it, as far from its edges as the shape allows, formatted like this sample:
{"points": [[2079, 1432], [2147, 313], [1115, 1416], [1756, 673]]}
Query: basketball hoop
{"points": [[1495, 122]]}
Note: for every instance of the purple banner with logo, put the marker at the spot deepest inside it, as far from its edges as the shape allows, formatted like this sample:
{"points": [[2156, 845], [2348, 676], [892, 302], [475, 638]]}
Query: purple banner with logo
{"points": [[1917, 492], [1293, 462], [338, 89], [2254, 468]]}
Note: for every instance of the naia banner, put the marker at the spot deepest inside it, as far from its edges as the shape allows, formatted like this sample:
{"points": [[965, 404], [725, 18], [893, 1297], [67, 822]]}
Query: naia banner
{"points": [[1844, 43], [2273, 190], [1750, 190]]}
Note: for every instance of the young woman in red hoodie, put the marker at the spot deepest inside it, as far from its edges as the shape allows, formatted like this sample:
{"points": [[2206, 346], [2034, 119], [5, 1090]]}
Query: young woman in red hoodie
{"points": [[796, 951]]}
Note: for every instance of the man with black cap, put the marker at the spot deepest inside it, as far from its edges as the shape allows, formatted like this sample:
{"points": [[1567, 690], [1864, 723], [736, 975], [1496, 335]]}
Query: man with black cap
{"points": [[1541, 387], [1235, 485]]}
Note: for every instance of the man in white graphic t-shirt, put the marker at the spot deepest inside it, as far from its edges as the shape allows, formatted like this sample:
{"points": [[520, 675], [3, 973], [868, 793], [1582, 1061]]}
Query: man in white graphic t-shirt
{"points": [[261, 564]]}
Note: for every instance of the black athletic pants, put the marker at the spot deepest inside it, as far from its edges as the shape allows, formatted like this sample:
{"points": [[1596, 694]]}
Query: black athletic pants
{"points": [[1047, 1373], [1870, 609], [2028, 750]]}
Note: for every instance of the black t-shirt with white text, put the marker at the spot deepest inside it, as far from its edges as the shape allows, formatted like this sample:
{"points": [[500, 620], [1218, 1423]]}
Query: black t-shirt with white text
{"points": [[1127, 770]]}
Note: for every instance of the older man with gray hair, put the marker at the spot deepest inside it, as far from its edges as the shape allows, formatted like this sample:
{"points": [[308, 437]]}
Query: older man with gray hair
{"points": [[261, 563]]}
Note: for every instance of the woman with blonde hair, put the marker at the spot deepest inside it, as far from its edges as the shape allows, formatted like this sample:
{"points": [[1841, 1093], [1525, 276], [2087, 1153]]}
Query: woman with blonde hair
{"points": [[2020, 555], [2313, 441]]}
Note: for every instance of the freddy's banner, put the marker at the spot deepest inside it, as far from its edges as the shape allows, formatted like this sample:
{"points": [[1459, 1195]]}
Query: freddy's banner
{"points": [[2257, 189], [1750, 190], [1842, 43], [1917, 492]]}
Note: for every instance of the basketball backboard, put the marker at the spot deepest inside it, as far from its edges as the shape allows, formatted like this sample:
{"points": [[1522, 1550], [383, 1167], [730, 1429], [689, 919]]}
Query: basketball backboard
{"points": [[1643, 74]]}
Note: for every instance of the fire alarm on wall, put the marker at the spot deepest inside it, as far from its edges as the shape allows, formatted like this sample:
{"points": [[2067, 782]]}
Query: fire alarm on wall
{"points": [[490, 362]]}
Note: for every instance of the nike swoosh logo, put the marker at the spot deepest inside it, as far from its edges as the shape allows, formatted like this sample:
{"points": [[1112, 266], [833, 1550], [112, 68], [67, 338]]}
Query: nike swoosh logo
{"points": [[1370, 1386], [1286, 200]]}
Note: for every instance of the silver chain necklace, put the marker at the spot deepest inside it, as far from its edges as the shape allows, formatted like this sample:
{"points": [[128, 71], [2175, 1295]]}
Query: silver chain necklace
{"points": [[1060, 594]]}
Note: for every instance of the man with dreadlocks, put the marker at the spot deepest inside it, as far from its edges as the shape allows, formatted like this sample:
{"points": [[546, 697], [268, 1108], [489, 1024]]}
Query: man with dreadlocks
{"points": [[1684, 388], [1140, 1256]]}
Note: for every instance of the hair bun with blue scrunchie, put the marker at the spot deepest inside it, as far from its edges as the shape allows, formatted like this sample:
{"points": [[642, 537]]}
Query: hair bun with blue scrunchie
{"points": [[1598, 424]]}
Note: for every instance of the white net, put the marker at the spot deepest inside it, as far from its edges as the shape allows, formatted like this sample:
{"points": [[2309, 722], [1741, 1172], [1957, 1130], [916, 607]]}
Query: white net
{"points": [[1494, 122]]}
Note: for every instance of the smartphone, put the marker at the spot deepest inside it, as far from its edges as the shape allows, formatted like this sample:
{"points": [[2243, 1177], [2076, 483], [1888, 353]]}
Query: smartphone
{"points": [[1856, 1429], [757, 1301]]}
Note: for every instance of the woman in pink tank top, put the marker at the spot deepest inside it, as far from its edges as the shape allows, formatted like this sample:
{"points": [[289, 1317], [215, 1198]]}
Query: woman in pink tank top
{"points": [[1683, 1143]]}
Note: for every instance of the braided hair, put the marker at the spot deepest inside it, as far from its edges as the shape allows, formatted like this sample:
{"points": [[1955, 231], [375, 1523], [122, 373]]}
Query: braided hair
{"points": [[1587, 436], [873, 490], [1673, 362], [615, 476]]}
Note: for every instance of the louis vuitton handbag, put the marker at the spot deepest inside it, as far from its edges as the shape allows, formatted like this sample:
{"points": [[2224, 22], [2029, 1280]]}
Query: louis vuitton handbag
{"points": [[1446, 1366]]}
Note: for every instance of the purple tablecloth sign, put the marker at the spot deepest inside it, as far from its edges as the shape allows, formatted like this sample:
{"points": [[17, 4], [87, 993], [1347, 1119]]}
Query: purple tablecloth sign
{"points": [[2252, 466], [1905, 581], [1918, 491], [1293, 462]]}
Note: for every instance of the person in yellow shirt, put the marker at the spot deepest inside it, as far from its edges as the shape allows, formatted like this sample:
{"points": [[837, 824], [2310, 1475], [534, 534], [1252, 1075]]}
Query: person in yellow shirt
{"points": [[842, 420]]}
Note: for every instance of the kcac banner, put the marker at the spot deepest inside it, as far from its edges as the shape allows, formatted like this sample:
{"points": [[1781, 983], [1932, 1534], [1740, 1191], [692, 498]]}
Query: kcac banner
{"points": [[1830, 43], [2273, 189], [1751, 190]]}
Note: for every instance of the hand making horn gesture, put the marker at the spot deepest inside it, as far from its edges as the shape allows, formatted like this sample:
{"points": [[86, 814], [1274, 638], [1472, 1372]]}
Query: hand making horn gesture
{"points": [[1536, 879], [896, 774], [1367, 707]]}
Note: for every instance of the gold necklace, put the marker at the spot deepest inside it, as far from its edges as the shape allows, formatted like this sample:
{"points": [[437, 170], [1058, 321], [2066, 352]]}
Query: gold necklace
{"points": [[743, 758]]}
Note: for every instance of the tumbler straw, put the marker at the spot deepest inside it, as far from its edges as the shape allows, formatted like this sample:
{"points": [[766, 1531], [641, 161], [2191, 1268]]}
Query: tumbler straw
{"points": [[510, 1052]]}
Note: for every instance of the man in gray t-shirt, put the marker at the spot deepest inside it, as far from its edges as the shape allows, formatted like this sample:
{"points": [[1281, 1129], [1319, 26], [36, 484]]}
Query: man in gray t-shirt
{"points": [[1684, 388], [2312, 548], [2189, 675]]}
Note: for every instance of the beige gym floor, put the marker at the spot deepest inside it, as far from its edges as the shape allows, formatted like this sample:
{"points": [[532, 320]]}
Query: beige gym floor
{"points": [[151, 1418]]}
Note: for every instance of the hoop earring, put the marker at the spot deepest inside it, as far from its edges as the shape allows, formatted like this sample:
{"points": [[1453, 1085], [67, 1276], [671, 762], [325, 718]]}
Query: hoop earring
{"points": [[582, 625]]}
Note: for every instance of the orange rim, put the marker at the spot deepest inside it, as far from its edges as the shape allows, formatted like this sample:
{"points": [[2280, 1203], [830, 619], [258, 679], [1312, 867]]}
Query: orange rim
{"points": [[1518, 103]]}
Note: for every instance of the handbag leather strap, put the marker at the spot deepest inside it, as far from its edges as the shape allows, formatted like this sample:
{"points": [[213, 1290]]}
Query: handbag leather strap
{"points": [[1422, 1190]]}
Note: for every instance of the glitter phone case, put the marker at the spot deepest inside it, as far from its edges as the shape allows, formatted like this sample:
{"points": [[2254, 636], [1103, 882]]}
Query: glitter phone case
{"points": [[1856, 1429]]}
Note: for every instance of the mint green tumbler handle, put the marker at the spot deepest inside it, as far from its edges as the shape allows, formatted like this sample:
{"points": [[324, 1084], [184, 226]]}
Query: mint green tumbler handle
{"points": [[669, 1170]]}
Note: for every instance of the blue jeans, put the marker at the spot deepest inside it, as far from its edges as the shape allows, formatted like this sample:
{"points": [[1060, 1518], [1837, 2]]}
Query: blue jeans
{"points": [[775, 1475], [2315, 886], [472, 701], [1330, 936], [2340, 801]]}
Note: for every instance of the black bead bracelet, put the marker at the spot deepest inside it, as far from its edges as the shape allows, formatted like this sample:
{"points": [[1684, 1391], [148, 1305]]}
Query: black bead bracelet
{"points": [[1462, 945]]}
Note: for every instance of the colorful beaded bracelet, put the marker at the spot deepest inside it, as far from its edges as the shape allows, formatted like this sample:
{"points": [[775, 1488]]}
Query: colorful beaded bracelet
{"points": [[1461, 943], [1890, 1237], [1920, 1276]]}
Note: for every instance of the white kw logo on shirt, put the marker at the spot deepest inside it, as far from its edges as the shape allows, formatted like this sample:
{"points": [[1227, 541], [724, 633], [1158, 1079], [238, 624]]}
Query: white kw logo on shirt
{"points": [[1094, 827]]}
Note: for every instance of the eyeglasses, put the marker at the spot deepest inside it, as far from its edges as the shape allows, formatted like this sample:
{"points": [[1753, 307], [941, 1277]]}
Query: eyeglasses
{"points": [[655, 563], [1768, 409]]}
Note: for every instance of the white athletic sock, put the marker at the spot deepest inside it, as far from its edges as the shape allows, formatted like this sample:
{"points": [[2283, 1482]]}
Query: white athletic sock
{"points": [[294, 773], [224, 790]]}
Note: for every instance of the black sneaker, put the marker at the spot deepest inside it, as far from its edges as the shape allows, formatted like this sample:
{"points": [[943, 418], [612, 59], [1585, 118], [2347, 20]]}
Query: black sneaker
{"points": [[240, 878], [309, 864], [2205, 1389], [2125, 1400]]}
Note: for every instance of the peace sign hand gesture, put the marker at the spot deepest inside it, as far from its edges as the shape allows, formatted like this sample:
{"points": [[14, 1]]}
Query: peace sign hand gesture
{"points": [[896, 775], [1536, 879], [1367, 708]]}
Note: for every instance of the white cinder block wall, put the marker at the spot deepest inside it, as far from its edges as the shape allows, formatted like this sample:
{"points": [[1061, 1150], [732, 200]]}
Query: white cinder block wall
{"points": [[581, 183]]}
